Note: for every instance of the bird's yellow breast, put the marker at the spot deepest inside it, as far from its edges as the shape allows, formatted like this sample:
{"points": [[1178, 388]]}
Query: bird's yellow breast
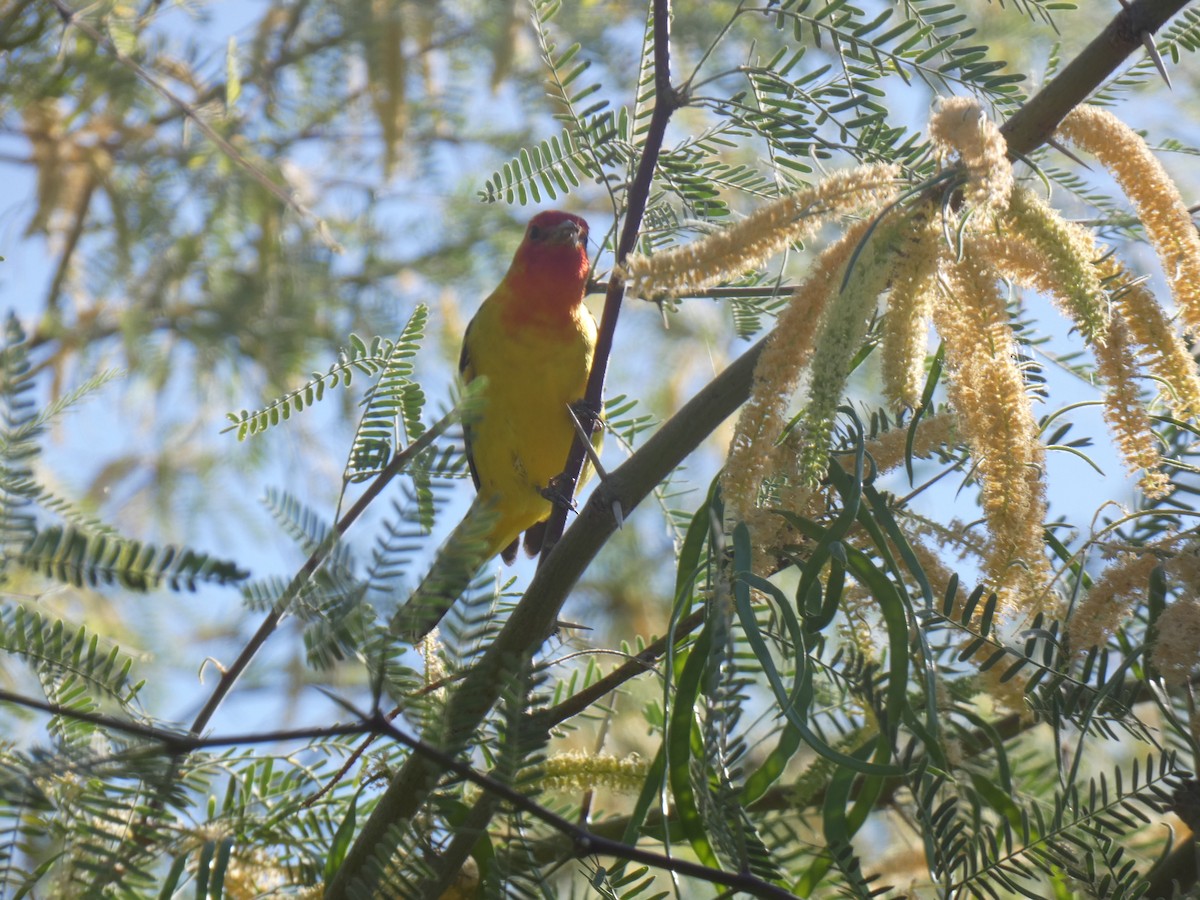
{"points": [[535, 369]]}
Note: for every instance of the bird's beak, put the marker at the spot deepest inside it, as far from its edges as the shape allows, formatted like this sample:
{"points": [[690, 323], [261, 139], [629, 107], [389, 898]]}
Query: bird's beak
{"points": [[567, 233]]}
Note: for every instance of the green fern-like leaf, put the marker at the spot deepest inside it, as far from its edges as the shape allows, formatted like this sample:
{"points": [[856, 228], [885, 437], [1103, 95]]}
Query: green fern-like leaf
{"points": [[392, 407], [553, 166], [18, 433], [586, 146], [358, 357], [64, 655], [73, 557]]}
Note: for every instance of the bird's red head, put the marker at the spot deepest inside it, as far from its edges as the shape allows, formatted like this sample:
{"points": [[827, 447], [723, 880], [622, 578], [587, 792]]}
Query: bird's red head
{"points": [[554, 254]]}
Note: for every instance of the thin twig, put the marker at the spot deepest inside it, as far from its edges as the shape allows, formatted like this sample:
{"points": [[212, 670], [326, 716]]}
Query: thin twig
{"points": [[177, 743], [640, 664], [397, 465], [724, 292]]}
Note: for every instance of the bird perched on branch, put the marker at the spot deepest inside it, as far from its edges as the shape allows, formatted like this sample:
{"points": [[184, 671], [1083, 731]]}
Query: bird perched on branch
{"points": [[533, 340]]}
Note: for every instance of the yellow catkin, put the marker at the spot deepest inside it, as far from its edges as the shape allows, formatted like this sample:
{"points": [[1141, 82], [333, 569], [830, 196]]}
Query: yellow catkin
{"points": [[1030, 265], [1183, 566], [766, 231], [1070, 254], [1110, 601], [783, 360], [1004, 694], [862, 606], [958, 125], [937, 573], [1154, 195], [839, 335], [996, 419], [1126, 413], [575, 770], [888, 448], [909, 306], [1167, 356], [256, 873], [1176, 650], [772, 538]]}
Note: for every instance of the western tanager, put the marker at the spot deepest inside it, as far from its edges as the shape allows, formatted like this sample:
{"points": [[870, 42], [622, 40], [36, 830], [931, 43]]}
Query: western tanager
{"points": [[533, 340]]}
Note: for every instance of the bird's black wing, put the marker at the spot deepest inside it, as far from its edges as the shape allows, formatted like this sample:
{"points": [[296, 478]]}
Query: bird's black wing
{"points": [[464, 364]]}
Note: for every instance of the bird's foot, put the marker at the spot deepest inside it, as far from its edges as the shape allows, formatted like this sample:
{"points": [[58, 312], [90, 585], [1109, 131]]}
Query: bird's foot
{"points": [[556, 493], [584, 412]]}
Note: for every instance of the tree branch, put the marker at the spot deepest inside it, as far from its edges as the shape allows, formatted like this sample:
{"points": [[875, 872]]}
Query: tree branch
{"points": [[1034, 123]]}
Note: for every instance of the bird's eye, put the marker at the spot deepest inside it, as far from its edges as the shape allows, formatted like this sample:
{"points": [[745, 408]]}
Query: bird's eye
{"points": [[535, 233]]}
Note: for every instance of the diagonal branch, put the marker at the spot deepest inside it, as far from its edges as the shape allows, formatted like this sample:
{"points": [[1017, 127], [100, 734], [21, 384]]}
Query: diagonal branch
{"points": [[1034, 123]]}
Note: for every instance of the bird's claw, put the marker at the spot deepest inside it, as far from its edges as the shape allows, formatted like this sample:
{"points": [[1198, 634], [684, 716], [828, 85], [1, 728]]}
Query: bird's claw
{"points": [[584, 411], [555, 493]]}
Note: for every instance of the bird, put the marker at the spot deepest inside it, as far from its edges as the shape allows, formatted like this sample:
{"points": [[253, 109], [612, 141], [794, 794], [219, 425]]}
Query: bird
{"points": [[533, 339]]}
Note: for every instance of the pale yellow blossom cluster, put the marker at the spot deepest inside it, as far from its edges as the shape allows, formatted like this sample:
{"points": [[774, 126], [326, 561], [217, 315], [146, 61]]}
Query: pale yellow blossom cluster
{"points": [[1154, 195], [773, 539], [910, 305], [1041, 250], [888, 448], [1126, 413], [575, 770], [1184, 567], [252, 872], [784, 359], [435, 667], [955, 534], [1125, 582], [861, 606], [1165, 354], [996, 418], [959, 127], [1122, 584], [749, 243], [937, 573], [946, 259], [773, 534], [839, 335], [1055, 257], [1176, 651]]}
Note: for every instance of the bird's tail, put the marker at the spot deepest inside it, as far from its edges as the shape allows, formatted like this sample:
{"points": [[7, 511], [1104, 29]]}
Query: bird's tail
{"points": [[474, 541]]}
